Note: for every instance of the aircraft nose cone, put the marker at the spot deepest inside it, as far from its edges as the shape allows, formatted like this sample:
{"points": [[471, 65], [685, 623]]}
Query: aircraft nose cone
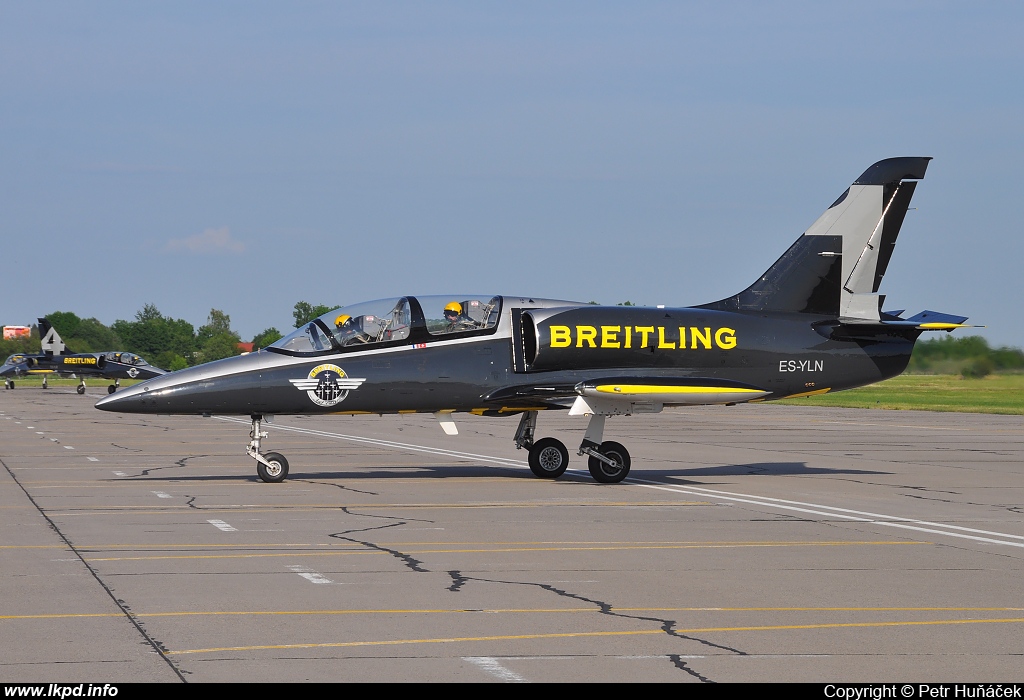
{"points": [[224, 386], [121, 399]]}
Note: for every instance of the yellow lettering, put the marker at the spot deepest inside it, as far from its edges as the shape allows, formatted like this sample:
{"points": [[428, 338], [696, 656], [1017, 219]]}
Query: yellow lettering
{"points": [[609, 337], [705, 338], [644, 331], [629, 337], [661, 340], [725, 338], [561, 337], [682, 337], [586, 333]]}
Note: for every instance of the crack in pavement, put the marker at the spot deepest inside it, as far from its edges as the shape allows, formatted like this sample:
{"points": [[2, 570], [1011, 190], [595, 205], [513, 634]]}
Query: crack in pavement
{"points": [[408, 560], [339, 486], [677, 661], [178, 464], [667, 626]]}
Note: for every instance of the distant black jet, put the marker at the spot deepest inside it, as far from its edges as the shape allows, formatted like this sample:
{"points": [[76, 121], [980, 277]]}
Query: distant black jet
{"points": [[54, 359], [812, 323]]}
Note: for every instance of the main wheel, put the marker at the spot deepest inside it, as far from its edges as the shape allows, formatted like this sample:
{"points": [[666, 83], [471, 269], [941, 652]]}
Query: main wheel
{"points": [[607, 473], [277, 470], [548, 458], [9, 385], [111, 389], [80, 389]]}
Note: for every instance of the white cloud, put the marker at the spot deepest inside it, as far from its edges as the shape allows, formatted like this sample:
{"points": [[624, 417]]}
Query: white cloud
{"points": [[212, 240]]}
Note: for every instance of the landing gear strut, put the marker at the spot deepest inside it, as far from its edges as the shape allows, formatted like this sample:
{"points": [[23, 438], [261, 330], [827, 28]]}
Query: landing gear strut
{"points": [[608, 461], [81, 387], [272, 467], [113, 387], [45, 385]]}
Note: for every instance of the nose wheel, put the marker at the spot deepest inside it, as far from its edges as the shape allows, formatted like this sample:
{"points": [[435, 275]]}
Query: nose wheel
{"points": [[271, 467]]}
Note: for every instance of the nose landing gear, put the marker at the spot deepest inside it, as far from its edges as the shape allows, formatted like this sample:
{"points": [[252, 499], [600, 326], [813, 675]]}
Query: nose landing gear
{"points": [[271, 467]]}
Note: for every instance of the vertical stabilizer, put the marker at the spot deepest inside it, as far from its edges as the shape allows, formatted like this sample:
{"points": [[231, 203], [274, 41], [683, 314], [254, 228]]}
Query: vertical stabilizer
{"points": [[49, 340], [837, 265]]}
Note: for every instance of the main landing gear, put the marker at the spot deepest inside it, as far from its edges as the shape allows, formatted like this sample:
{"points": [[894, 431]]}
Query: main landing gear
{"points": [[81, 387], [272, 467], [114, 387], [608, 461], [8, 384]]}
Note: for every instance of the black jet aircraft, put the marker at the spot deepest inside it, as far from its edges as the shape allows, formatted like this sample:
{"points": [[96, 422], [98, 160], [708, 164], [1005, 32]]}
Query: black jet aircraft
{"points": [[811, 324], [54, 359]]}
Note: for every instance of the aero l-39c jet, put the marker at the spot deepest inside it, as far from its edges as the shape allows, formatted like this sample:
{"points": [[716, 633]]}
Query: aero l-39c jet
{"points": [[811, 324], [54, 359]]}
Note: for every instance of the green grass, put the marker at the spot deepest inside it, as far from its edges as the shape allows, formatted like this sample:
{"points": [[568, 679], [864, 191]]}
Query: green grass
{"points": [[996, 393]]}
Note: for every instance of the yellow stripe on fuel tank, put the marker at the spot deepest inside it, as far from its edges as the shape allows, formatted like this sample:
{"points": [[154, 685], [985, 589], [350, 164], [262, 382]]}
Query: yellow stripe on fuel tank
{"points": [[655, 389]]}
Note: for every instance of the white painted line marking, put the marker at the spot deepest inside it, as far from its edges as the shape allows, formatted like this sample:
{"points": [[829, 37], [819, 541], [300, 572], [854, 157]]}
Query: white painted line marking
{"points": [[161, 494], [92, 459], [54, 440], [490, 665], [309, 574], [120, 474], [762, 501], [40, 432], [31, 427], [68, 447], [221, 525], [833, 512]]}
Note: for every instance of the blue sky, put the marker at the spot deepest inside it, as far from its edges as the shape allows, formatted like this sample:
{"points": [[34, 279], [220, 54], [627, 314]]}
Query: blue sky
{"points": [[248, 155]]}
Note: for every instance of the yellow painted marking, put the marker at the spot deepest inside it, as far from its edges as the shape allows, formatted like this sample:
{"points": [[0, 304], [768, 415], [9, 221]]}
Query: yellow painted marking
{"points": [[654, 389], [514, 409], [939, 326], [808, 393], [566, 635], [496, 550], [407, 410], [509, 611], [352, 413]]}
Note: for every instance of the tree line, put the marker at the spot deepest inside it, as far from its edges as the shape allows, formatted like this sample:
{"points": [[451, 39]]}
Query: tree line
{"points": [[170, 343]]}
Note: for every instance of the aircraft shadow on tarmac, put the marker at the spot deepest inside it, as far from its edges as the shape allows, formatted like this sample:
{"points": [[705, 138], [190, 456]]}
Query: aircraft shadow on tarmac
{"points": [[478, 471]]}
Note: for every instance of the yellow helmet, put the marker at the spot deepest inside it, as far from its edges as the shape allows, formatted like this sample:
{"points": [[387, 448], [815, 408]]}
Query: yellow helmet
{"points": [[454, 306], [342, 320]]}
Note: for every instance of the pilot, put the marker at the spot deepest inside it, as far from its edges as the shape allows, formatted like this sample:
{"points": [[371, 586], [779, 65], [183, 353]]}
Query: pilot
{"points": [[456, 320], [347, 332]]}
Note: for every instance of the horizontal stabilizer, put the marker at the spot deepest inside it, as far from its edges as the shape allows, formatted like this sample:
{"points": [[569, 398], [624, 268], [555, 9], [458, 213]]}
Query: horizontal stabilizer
{"points": [[924, 321]]}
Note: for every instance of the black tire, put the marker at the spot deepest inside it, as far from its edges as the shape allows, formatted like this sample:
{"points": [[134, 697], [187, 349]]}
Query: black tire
{"points": [[111, 389], [10, 385], [548, 458], [605, 473], [279, 469], [80, 389]]}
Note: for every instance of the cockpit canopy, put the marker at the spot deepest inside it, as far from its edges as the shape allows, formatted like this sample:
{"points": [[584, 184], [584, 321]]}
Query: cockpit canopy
{"points": [[393, 321], [125, 358]]}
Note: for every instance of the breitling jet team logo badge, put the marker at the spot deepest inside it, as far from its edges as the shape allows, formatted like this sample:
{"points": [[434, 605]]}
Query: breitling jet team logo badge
{"points": [[327, 385]]}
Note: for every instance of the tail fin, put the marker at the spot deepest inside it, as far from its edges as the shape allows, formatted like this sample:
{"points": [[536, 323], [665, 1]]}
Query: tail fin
{"points": [[49, 340], [836, 266]]}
